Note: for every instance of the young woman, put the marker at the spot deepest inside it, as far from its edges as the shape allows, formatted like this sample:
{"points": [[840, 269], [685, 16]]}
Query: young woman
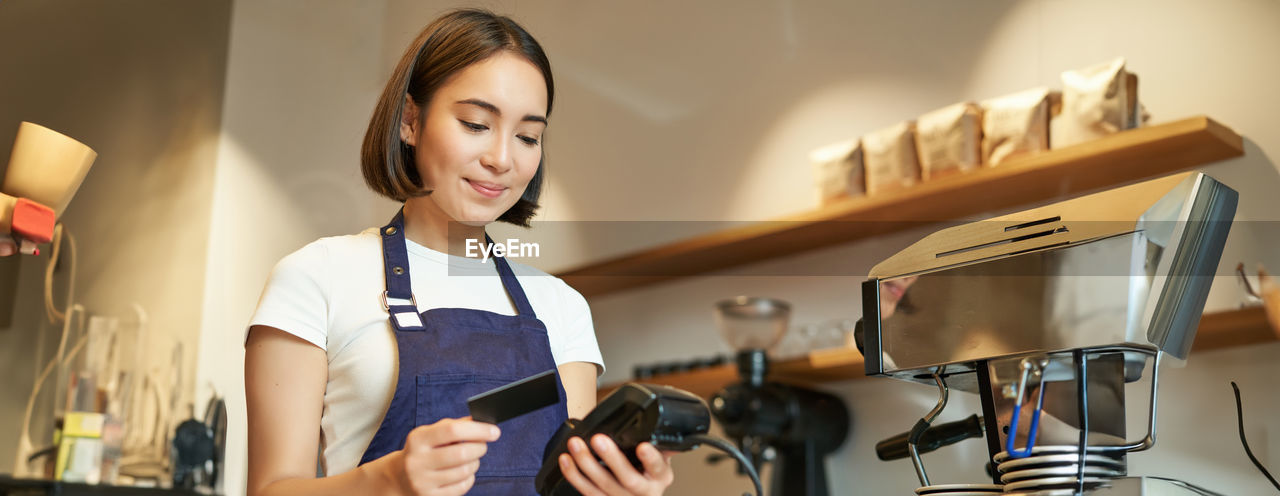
{"points": [[364, 348]]}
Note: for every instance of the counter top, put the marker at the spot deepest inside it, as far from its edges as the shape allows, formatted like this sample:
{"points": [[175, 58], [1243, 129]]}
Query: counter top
{"points": [[33, 487]]}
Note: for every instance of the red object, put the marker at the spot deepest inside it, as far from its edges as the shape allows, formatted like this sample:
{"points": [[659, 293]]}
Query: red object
{"points": [[33, 221]]}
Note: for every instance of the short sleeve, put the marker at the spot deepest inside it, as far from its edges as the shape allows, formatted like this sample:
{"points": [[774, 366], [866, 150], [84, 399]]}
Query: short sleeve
{"points": [[577, 336], [294, 299]]}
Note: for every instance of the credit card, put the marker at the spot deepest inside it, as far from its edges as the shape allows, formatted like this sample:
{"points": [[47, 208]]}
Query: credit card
{"points": [[515, 399]]}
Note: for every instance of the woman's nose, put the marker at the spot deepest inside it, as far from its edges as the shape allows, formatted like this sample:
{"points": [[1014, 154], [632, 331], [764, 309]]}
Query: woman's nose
{"points": [[498, 155]]}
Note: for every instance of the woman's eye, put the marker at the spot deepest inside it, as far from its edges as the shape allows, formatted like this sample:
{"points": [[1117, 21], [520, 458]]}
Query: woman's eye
{"points": [[528, 140], [473, 126]]}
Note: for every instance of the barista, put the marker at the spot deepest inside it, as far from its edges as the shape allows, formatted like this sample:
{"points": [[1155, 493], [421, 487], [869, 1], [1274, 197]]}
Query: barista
{"points": [[364, 347]]}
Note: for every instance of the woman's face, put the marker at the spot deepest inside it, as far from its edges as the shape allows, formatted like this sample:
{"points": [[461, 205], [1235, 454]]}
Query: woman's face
{"points": [[480, 142]]}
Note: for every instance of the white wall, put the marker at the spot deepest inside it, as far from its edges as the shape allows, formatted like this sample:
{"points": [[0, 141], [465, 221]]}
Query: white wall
{"points": [[141, 83], [704, 111]]}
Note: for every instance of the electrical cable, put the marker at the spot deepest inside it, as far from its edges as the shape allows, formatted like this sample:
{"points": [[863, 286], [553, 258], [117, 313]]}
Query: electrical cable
{"points": [[1189, 486], [55, 316], [50, 309], [25, 446], [1245, 442], [732, 450]]}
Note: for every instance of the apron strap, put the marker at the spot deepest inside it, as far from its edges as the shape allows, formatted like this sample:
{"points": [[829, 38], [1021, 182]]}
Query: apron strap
{"points": [[398, 298], [512, 285]]}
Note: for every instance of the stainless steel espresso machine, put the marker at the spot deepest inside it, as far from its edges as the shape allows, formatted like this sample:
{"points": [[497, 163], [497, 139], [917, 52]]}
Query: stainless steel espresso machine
{"points": [[1046, 315]]}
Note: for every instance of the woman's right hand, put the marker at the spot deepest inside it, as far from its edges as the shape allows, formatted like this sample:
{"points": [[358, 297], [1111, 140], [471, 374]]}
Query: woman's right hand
{"points": [[441, 459]]}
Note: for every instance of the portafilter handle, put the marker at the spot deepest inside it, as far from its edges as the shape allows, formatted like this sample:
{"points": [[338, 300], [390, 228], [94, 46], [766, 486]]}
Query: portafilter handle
{"points": [[936, 437]]}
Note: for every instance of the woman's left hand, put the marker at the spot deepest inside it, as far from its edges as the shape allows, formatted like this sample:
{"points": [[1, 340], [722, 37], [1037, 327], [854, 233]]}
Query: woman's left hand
{"points": [[620, 478]]}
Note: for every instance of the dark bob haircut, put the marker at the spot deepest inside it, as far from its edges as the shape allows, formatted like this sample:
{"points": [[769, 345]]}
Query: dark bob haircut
{"points": [[446, 46]]}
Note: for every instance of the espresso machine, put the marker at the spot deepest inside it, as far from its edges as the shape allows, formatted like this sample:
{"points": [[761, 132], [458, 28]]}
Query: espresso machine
{"points": [[1047, 315]]}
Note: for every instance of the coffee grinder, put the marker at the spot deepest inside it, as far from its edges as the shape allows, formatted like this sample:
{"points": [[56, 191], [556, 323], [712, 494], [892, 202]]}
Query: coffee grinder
{"points": [[792, 427]]}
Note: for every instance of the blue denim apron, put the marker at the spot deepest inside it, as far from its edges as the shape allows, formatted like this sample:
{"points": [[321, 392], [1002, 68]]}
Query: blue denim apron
{"points": [[449, 354]]}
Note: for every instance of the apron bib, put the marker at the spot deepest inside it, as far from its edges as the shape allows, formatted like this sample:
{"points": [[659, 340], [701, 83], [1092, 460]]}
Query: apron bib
{"points": [[450, 354]]}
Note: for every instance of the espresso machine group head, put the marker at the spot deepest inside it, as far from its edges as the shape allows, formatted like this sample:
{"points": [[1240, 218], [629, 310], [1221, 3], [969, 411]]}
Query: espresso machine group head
{"points": [[1047, 314]]}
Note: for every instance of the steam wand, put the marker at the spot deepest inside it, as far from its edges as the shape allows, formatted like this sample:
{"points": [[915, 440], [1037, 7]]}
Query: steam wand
{"points": [[923, 425]]}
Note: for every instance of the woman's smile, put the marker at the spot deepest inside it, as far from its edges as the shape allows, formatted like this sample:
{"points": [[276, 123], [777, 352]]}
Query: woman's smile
{"points": [[487, 189]]}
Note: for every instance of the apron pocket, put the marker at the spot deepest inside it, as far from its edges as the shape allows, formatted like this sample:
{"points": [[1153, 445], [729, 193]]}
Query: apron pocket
{"points": [[518, 452]]}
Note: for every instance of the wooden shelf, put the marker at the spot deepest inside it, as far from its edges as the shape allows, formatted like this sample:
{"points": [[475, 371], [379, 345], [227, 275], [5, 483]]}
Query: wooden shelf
{"points": [[1217, 330], [1118, 159]]}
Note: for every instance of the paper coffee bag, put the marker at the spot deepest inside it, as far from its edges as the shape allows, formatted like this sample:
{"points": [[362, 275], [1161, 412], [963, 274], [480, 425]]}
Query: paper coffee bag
{"points": [[949, 140], [890, 156], [1096, 101], [1015, 125], [838, 171]]}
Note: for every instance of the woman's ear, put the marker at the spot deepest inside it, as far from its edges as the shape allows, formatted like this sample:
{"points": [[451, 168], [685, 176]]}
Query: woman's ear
{"points": [[409, 122]]}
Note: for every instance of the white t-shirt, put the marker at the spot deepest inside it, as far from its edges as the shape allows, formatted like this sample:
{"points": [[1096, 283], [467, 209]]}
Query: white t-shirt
{"points": [[329, 294]]}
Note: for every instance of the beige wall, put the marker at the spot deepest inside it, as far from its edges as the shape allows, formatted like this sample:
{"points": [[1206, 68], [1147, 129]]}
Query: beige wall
{"points": [[142, 83], [301, 81]]}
